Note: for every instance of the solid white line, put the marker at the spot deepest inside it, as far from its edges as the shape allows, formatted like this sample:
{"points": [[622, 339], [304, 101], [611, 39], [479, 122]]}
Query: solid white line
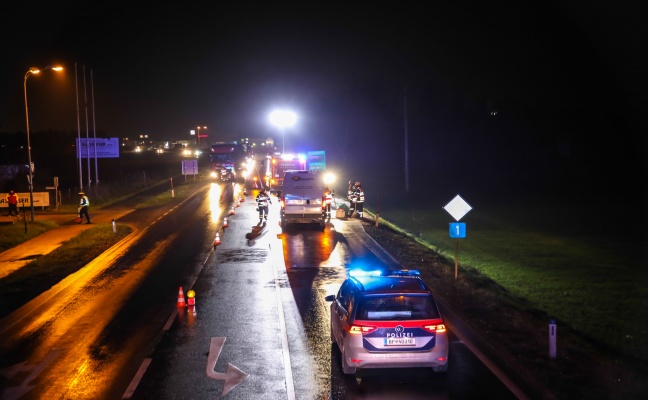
{"points": [[290, 384], [167, 326], [137, 378]]}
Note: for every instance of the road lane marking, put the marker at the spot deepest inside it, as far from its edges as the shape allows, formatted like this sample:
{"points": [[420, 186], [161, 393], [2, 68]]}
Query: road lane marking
{"points": [[137, 378], [232, 377], [277, 260]]}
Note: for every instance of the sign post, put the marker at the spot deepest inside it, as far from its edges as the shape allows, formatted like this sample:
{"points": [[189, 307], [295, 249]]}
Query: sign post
{"points": [[457, 208]]}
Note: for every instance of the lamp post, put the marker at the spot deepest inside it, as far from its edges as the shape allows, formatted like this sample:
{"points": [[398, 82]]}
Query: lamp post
{"points": [[199, 128], [283, 119], [29, 73]]}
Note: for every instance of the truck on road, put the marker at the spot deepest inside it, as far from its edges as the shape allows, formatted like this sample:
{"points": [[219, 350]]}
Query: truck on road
{"points": [[228, 161]]}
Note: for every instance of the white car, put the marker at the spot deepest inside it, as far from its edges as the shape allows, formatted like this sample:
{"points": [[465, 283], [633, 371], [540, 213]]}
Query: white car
{"points": [[388, 319]]}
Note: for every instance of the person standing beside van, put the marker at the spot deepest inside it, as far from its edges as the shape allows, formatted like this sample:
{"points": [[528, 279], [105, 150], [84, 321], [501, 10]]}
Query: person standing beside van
{"points": [[328, 199]]}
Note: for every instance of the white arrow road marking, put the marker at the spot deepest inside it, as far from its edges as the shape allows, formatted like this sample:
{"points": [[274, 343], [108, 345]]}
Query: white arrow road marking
{"points": [[9, 372], [232, 377]]}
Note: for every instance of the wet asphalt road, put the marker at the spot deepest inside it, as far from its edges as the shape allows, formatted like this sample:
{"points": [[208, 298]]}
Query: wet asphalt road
{"points": [[259, 327]]}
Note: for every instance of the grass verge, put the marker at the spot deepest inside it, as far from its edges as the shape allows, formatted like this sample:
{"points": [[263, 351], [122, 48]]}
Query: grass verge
{"points": [[579, 279]]}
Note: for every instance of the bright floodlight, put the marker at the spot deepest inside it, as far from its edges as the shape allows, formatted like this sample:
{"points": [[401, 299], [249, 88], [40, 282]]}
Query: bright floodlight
{"points": [[329, 178], [283, 118]]}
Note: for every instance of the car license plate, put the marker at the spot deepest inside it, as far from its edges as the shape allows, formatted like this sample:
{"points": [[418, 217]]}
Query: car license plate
{"points": [[400, 341]]}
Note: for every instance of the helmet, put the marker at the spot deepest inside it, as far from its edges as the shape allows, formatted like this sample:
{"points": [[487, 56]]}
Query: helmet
{"points": [[81, 193], [357, 183]]}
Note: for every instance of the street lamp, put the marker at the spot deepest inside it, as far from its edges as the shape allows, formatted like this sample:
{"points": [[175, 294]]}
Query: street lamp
{"points": [[283, 119], [200, 127], [30, 72]]}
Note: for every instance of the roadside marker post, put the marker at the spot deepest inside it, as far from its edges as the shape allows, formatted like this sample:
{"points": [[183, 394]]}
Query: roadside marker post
{"points": [[457, 208]]}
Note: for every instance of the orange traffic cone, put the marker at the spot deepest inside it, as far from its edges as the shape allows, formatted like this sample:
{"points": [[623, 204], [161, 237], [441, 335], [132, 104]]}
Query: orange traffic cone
{"points": [[217, 240], [225, 222], [232, 211], [238, 203], [181, 299]]}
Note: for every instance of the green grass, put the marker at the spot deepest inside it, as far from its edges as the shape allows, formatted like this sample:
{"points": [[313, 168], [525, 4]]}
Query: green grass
{"points": [[594, 283], [13, 235]]}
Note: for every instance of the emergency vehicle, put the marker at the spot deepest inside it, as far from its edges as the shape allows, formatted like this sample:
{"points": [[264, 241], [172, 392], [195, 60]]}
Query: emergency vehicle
{"points": [[276, 167], [228, 161]]}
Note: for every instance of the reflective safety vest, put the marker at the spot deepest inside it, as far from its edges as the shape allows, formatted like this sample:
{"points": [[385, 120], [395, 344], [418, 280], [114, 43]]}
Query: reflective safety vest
{"points": [[328, 197], [358, 195], [84, 201], [263, 200]]}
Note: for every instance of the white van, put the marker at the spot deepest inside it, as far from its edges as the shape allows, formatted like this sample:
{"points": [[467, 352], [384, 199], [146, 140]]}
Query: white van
{"points": [[302, 198]]}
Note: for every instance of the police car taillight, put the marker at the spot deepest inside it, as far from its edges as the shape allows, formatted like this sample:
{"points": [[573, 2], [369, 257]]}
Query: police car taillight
{"points": [[436, 328], [361, 329]]}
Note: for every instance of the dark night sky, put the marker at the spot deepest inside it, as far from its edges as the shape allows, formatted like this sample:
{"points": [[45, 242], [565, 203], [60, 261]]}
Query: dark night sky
{"points": [[567, 79]]}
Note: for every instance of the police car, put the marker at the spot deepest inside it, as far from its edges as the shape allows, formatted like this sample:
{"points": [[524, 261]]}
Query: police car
{"points": [[387, 319]]}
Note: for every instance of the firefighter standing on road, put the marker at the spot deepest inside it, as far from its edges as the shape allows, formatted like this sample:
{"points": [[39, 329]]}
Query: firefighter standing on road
{"points": [[328, 199], [350, 196], [263, 200], [358, 196]]}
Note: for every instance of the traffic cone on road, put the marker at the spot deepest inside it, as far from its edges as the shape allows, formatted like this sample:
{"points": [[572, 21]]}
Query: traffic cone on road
{"points": [[232, 212], [181, 299], [238, 203], [217, 240], [225, 222]]}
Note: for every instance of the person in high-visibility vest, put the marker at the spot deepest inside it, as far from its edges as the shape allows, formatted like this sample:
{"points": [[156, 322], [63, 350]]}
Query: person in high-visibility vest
{"points": [[359, 197], [83, 207], [351, 198], [12, 201], [263, 201], [328, 199]]}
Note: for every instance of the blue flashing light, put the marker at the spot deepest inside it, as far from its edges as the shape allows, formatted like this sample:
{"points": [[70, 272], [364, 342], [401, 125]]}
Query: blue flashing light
{"points": [[403, 272], [362, 272]]}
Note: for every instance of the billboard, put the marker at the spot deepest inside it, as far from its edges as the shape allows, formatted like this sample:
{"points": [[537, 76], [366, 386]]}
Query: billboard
{"points": [[104, 147]]}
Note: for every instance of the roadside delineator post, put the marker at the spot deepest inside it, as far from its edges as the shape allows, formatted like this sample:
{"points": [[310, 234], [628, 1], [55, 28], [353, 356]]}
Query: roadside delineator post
{"points": [[181, 299], [552, 338], [114, 226]]}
